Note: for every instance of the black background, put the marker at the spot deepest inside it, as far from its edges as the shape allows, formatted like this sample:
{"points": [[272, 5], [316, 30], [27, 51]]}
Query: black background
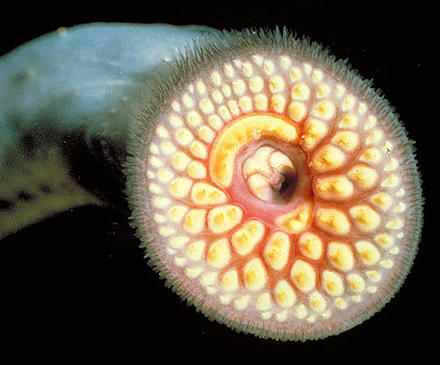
{"points": [[76, 286]]}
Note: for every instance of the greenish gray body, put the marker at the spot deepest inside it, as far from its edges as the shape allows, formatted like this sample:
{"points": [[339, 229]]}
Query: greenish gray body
{"points": [[66, 100]]}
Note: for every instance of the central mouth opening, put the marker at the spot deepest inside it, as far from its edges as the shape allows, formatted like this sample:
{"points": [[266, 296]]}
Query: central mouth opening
{"points": [[270, 175]]}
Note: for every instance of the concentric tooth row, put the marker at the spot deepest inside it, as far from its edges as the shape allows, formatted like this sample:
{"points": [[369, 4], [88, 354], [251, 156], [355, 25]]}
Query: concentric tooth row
{"points": [[286, 269]]}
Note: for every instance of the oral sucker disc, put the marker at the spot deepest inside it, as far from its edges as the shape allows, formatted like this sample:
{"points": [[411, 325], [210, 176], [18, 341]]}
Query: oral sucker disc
{"points": [[278, 189]]}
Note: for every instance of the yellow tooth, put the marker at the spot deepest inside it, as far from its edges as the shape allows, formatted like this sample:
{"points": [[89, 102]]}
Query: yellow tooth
{"points": [[255, 276], [340, 255], [346, 140], [395, 224], [371, 155], [233, 107], [258, 162], [314, 132], [175, 121], [166, 231], [161, 202], [155, 162], [300, 92], [261, 102], [327, 158], [385, 240], [193, 118], [217, 96], [317, 302], [370, 122], [239, 87], [307, 68], [242, 302], [340, 90], [334, 187], [184, 137], [216, 78], [215, 122], [256, 84], [366, 218], [323, 91], [167, 148], [368, 252], [341, 303], [180, 161], [162, 132], [400, 208], [159, 218], [196, 170], [194, 221], [229, 281], [218, 254], [303, 275], [296, 220], [180, 187], [317, 75], [310, 245], [268, 67], [201, 87], [198, 149], [332, 220], [278, 160], [332, 283], [248, 236], [295, 73], [373, 275], [195, 250], [223, 218], [237, 134], [382, 200], [209, 278], [284, 294], [349, 121], [392, 165], [206, 134], [164, 175], [154, 188], [206, 194], [226, 90], [228, 69], [187, 100], [285, 62], [348, 102], [193, 272], [278, 103], [324, 109], [224, 113], [248, 69], [206, 106], [263, 302], [297, 111], [245, 104], [178, 241], [176, 213], [356, 282], [276, 84], [374, 137], [391, 181], [364, 177], [277, 249], [260, 187]]}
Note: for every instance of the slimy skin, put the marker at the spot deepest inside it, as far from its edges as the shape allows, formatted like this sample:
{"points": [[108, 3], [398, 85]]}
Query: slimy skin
{"points": [[66, 101], [271, 186]]}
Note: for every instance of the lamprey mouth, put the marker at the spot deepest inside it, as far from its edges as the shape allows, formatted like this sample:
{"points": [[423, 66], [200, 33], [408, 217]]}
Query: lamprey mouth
{"points": [[274, 188]]}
